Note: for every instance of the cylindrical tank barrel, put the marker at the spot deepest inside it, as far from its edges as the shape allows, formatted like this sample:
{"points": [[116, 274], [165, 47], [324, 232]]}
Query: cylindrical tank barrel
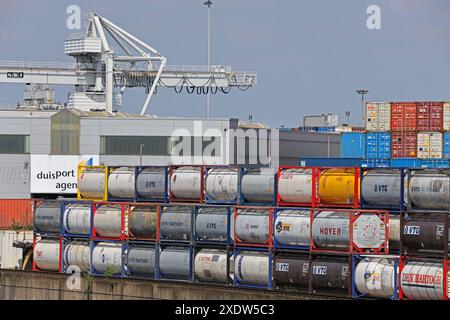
{"points": [[77, 219], [291, 270], [221, 184], [151, 183], [295, 185], [176, 223], [91, 183], [252, 268], [337, 186], [292, 227], [77, 255], [46, 255], [427, 234], [252, 225], [331, 229], [175, 263], [142, 222], [185, 182], [47, 217], [107, 257], [108, 221], [429, 191], [330, 274], [212, 264], [375, 277], [258, 186], [121, 183], [212, 223], [423, 280], [381, 188], [141, 260]]}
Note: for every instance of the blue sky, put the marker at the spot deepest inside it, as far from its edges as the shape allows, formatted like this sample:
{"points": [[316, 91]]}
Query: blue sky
{"points": [[310, 55]]}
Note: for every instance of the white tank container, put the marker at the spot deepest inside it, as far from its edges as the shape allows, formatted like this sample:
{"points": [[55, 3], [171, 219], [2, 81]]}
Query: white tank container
{"points": [[77, 255], [176, 223], [211, 224], [222, 184], [211, 265], [46, 255], [423, 281], [252, 225], [91, 183], [77, 219], [107, 257], [252, 268], [175, 263], [151, 183], [185, 183], [258, 186], [108, 221], [429, 191], [295, 185], [292, 227], [121, 183], [375, 277], [382, 188], [141, 260]]}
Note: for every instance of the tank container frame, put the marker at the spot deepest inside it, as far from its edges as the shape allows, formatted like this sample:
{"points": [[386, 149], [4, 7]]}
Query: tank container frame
{"points": [[358, 258], [73, 240], [161, 247], [164, 241], [314, 191], [418, 215], [173, 199], [207, 198], [283, 247], [403, 190], [64, 204], [242, 202], [131, 236], [141, 244], [292, 288], [105, 170], [125, 210], [354, 215], [36, 203], [445, 270], [58, 238], [198, 241], [124, 247], [230, 253], [165, 198], [269, 253], [268, 245]]}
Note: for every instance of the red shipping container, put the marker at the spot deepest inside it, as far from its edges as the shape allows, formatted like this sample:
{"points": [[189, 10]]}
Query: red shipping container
{"points": [[403, 116], [430, 116], [16, 213], [403, 144]]}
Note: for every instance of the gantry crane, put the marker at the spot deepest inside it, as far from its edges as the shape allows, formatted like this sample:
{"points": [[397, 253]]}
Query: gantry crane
{"points": [[101, 68]]}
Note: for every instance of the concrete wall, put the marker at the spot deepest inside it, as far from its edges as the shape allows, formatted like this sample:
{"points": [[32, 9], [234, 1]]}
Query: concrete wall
{"points": [[22, 285]]}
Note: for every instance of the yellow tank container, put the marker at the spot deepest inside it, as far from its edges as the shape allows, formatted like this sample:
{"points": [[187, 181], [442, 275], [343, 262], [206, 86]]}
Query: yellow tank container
{"points": [[337, 186]]}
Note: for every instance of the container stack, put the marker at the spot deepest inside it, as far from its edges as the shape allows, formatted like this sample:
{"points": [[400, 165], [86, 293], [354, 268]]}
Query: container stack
{"points": [[321, 230]]}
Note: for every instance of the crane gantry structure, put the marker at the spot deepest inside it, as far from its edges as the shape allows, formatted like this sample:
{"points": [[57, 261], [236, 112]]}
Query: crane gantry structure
{"points": [[102, 67]]}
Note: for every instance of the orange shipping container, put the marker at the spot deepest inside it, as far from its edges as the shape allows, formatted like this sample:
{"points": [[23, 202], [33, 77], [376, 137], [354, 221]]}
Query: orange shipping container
{"points": [[16, 212]]}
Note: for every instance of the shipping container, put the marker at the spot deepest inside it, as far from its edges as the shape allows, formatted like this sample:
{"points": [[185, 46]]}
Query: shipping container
{"points": [[446, 152], [429, 145], [10, 257], [378, 116], [406, 163], [375, 163], [330, 162], [429, 116], [378, 145], [446, 116], [435, 163], [352, 145], [323, 120], [16, 213], [403, 145], [403, 116]]}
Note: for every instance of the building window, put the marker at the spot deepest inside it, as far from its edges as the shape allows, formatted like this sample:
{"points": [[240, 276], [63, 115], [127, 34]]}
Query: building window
{"points": [[131, 145], [14, 144]]}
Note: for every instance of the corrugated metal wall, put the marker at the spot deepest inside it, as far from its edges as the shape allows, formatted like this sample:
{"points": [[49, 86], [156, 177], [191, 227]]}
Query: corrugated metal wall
{"points": [[16, 212]]}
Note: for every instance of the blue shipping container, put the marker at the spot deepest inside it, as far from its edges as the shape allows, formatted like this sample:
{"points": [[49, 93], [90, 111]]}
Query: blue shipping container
{"points": [[435, 163], [378, 145], [406, 163], [447, 145], [330, 162], [375, 163], [353, 145]]}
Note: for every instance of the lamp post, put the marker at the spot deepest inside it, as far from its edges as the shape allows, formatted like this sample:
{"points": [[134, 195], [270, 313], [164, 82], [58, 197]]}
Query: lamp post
{"points": [[208, 95], [141, 149], [363, 92]]}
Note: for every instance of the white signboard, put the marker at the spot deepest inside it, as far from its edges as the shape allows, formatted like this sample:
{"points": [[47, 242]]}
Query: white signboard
{"points": [[57, 174]]}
